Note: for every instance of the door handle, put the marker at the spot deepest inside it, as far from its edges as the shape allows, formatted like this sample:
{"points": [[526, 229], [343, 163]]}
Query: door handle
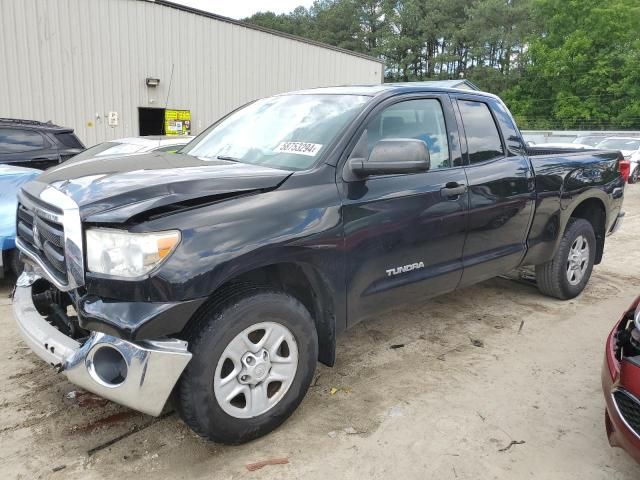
{"points": [[453, 190]]}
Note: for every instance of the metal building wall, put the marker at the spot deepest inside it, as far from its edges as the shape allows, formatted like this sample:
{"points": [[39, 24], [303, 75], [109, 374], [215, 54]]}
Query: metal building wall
{"points": [[73, 61]]}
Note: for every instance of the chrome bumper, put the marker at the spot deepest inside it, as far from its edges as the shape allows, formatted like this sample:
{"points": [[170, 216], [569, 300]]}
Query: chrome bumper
{"points": [[152, 367]]}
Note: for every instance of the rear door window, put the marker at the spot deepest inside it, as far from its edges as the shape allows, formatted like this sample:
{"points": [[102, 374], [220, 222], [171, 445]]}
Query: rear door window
{"points": [[483, 139], [15, 140]]}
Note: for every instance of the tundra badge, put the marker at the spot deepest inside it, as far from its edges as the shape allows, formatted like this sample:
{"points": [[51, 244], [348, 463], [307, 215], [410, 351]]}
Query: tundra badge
{"points": [[406, 268]]}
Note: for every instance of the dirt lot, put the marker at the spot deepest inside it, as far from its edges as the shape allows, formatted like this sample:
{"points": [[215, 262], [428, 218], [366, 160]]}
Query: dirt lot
{"points": [[472, 372]]}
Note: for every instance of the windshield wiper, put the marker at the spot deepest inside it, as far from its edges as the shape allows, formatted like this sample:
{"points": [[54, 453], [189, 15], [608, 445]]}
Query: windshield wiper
{"points": [[229, 159]]}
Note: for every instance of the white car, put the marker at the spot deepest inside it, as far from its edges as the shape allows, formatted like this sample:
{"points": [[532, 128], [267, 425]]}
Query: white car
{"points": [[630, 148], [591, 140], [134, 146]]}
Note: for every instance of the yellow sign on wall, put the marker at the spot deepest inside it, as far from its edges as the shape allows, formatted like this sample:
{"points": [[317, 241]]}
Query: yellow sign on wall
{"points": [[177, 122]]}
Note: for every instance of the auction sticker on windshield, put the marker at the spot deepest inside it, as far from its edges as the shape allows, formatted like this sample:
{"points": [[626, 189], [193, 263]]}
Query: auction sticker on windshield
{"points": [[301, 148]]}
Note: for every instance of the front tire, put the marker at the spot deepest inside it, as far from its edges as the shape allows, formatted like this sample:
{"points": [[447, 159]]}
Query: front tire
{"points": [[566, 275], [253, 361]]}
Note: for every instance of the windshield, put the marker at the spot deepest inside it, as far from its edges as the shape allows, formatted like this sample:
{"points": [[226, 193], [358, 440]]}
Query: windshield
{"points": [[288, 131], [620, 144], [109, 148]]}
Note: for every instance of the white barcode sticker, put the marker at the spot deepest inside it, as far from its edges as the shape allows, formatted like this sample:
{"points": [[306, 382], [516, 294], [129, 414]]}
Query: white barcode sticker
{"points": [[301, 148]]}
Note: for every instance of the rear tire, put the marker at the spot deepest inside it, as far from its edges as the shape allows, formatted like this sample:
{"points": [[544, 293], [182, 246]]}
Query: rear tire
{"points": [[205, 394], [566, 275], [633, 178]]}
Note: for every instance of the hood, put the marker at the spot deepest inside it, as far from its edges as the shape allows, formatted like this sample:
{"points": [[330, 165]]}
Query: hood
{"points": [[116, 189]]}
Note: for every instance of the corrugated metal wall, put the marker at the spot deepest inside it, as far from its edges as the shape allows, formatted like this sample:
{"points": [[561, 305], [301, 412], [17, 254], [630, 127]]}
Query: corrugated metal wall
{"points": [[73, 61]]}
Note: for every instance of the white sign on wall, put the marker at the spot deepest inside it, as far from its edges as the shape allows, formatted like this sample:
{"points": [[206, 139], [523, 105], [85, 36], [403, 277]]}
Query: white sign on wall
{"points": [[113, 119]]}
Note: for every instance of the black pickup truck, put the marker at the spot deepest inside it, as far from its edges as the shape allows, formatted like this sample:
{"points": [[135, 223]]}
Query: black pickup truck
{"points": [[220, 275]]}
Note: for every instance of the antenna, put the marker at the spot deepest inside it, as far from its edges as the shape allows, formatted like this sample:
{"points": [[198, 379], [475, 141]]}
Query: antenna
{"points": [[166, 103]]}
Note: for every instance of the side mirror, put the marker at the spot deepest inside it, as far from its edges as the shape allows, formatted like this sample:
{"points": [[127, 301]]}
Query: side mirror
{"points": [[390, 157]]}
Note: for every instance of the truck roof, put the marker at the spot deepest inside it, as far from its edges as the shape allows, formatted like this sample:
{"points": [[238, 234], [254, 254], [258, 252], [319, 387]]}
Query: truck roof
{"points": [[401, 87]]}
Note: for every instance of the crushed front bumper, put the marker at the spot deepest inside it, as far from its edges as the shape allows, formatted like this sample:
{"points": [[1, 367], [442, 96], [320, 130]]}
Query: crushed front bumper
{"points": [[148, 370], [620, 431]]}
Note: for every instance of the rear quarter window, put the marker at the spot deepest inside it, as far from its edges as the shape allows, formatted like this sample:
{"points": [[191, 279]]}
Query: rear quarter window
{"points": [[69, 139]]}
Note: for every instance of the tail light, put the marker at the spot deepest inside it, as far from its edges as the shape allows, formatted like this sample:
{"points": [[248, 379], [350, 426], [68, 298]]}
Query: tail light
{"points": [[624, 167]]}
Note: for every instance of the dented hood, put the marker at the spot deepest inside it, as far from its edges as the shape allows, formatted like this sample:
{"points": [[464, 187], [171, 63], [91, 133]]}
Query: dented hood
{"points": [[116, 189]]}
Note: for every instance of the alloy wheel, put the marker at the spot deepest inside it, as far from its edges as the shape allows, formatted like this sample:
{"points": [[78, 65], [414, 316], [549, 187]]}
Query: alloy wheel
{"points": [[256, 370], [578, 260]]}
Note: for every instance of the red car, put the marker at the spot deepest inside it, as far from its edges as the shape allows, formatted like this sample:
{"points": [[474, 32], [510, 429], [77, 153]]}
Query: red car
{"points": [[621, 382]]}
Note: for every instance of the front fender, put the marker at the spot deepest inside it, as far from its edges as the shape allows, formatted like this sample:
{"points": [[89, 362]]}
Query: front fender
{"points": [[299, 223]]}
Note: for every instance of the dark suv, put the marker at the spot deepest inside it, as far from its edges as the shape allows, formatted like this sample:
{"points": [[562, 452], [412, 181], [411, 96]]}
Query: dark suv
{"points": [[28, 143]]}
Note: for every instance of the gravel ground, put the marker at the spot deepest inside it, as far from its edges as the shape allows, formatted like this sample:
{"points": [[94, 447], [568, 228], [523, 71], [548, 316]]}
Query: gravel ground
{"points": [[475, 371]]}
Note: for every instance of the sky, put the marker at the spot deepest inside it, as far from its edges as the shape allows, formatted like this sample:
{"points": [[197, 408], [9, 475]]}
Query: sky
{"points": [[239, 9]]}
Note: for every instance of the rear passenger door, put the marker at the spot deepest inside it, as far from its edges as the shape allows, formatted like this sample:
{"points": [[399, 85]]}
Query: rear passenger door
{"points": [[501, 189], [404, 233]]}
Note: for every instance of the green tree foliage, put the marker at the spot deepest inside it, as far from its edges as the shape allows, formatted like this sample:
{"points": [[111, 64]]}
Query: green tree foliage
{"points": [[557, 63], [583, 69]]}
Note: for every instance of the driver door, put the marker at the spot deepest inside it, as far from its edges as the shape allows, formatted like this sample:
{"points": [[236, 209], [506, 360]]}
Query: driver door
{"points": [[404, 234]]}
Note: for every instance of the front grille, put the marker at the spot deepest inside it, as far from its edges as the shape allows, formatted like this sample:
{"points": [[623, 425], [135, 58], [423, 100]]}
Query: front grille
{"points": [[629, 408], [43, 236]]}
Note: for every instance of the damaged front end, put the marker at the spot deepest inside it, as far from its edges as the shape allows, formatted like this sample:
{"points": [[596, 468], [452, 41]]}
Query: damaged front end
{"points": [[56, 307], [48, 301], [627, 336], [621, 382], [139, 375]]}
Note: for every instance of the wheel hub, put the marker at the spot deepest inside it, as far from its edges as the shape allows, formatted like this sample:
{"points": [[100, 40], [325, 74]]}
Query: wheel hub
{"points": [[255, 367], [577, 260]]}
